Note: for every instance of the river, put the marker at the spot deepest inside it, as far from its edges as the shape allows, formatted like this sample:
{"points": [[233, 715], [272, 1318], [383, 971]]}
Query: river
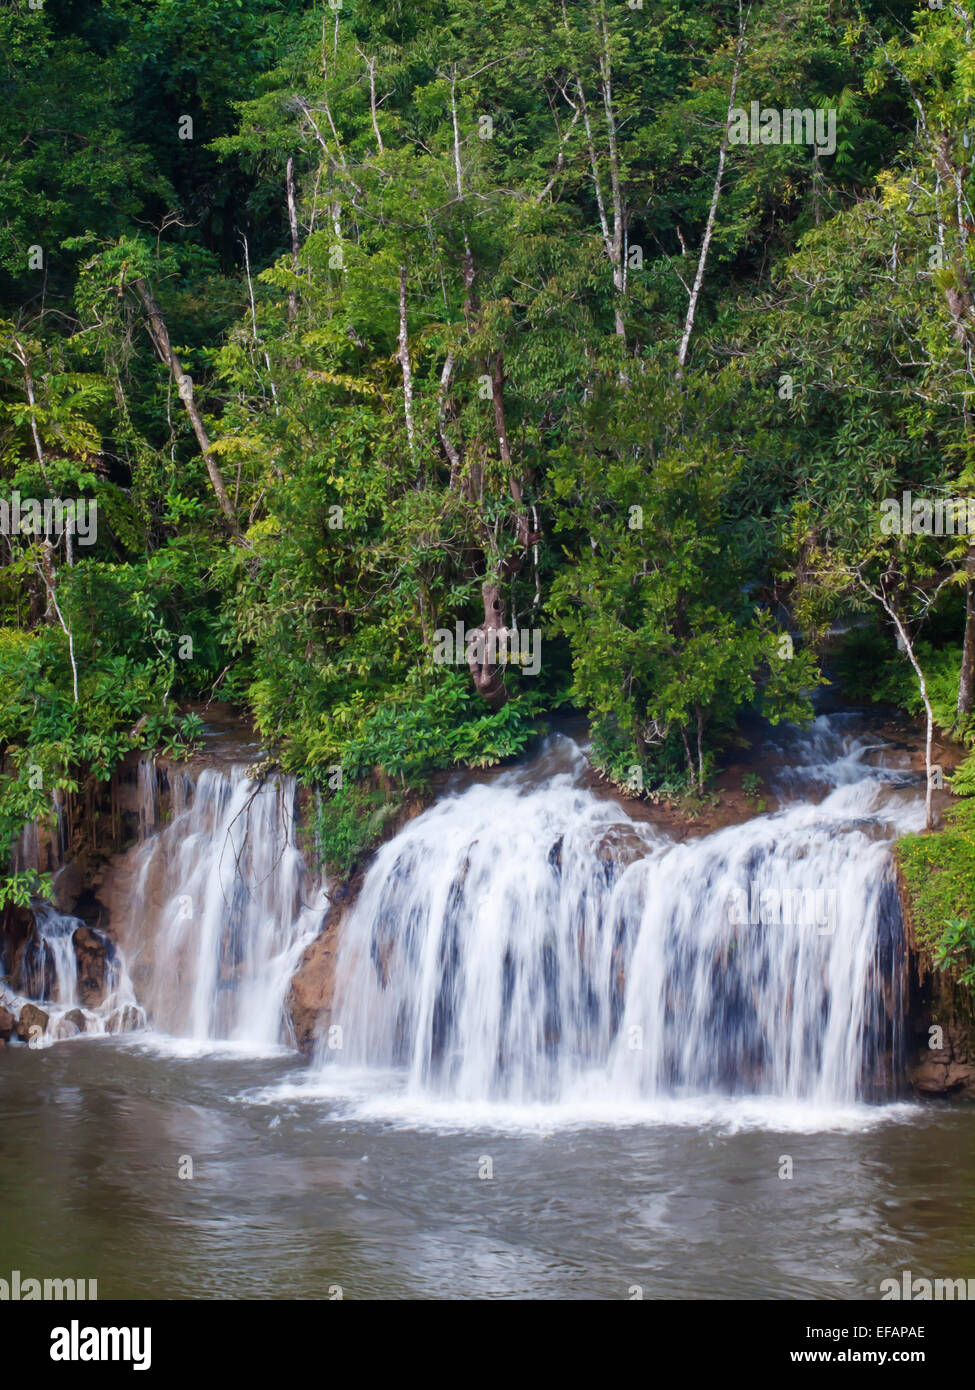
{"points": [[290, 1199]]}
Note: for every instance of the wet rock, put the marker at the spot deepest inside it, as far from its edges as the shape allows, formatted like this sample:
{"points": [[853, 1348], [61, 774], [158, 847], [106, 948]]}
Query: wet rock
{"points": [[128, 1019], [16, 925], [61, 1029], [33, 971], [68, 885], [96, 954], [7, 1024], [32, 1018], [77, 1018], [948, 1072], [310, 997], [621, 845]]}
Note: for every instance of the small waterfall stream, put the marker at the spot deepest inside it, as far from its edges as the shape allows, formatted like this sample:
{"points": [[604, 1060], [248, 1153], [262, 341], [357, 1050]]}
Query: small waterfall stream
{"points": [[51, 980], [527, 942], [221, 908], [55, 932]]}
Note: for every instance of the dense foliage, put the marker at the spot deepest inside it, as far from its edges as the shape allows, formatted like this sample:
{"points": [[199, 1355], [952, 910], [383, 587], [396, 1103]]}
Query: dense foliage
{"points": [[359, 321]]}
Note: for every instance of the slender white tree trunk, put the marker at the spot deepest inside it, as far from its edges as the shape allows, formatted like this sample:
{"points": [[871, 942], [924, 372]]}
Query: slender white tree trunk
{"points": [[293, 224], [685, 341], [908, 646], [404, 361]]}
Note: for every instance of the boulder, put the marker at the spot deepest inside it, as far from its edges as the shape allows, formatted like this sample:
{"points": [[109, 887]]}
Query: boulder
{"points": [[31, 1018], [126, 1019], [78, 1018], [7, 1024]]}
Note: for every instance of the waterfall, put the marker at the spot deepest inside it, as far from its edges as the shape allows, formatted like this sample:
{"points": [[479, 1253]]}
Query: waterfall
{"points": [[56, 938], [42, 852], [220, 909], [50, 978], [528, 942]]}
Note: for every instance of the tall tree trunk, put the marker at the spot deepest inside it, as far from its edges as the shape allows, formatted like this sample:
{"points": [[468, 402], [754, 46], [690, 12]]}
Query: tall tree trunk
{"points": [[293, 224], [612, 236], [45, 569], [23, 357], [404, 361], [449, 448], [371, 67], [616, 249], [690, 759], [685, 341], [908, 646], [488, 675], [184, 385]]}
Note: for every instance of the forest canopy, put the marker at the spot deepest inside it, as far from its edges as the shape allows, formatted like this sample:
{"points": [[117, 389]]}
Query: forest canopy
{"points": [[356, 326]]}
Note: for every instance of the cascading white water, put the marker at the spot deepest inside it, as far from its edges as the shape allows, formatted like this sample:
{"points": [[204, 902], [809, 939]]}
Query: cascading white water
{"points": [[56, 933], [221, 911], [50, 979], [528, 942]]}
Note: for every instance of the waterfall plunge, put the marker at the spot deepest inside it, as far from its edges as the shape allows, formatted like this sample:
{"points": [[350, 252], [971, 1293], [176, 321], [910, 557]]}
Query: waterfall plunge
{"points": [[526, 942]]}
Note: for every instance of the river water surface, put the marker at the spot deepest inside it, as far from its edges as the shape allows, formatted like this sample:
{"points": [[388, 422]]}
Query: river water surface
{"points": [[290, 1199]]}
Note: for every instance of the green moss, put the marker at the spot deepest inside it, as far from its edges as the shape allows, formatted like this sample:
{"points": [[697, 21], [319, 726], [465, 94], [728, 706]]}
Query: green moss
{"points": [[938, 874]]}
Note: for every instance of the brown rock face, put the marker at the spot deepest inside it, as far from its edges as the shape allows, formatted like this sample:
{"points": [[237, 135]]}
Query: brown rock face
{"points": [[309, 1001], [948, 1072], [69, 883], [7, 1024], [28, 961], [94, 951]]}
